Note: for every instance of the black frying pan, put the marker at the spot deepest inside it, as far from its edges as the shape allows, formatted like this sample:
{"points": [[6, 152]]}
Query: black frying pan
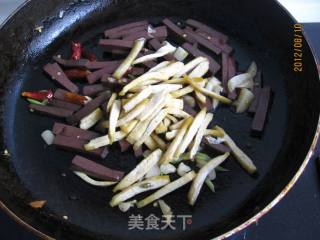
{"points": [[259, 30]]}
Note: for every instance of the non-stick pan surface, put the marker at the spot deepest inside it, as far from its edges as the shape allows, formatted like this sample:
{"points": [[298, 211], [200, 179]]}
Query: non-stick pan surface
{"points": [[259, 30]]}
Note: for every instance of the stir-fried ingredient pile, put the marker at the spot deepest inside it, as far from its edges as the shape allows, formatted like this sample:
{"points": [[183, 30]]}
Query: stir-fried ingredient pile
{"points": [[159, 100]]}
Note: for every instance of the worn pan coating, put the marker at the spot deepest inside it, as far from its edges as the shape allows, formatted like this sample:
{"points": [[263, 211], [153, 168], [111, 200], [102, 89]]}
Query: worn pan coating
{"points": [[259, 30]]}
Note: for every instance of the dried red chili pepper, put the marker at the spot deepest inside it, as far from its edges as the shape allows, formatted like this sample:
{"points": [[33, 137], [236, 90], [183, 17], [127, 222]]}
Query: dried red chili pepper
{"points": [[89, 55], [76, 50], [75, 98], [40, 95], [77, 73]]}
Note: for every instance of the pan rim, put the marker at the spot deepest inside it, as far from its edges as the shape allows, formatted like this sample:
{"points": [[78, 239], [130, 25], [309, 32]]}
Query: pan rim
{"points": [[233, 231], [281, 195], [303, 166]]}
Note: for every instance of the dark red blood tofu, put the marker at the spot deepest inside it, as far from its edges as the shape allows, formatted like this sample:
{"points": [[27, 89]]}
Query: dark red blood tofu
{"points": [[124, 145], [220, 148], [174, 30], [253, 107], [217, 42], [258, 84], [97, 75], [60, 94], [51, 111], [57, 74], [93, 90], [70, 131], [233, 95], [102, 64], [214, 66], [150, 64], [208, 104], [158, 32], [118, 51], [95, 170], [260, 116], [209, 30], [125, 27], [110, 44], [193, 37], [136, 71], [232, 68], [127, 32], [88, 108], [155, 44], [138, 152], [137, 35], [81, 63], [225, 71], [258, 81], [64, 104], [77, 145], [111, 82], [189, 109]]}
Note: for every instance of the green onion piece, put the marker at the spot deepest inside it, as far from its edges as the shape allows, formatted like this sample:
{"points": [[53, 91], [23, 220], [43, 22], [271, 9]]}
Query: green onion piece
{"points": [[131, 77], [210, 185], [202, 156], [32, 101], [222, 169], [182, 157], [201, 162]]}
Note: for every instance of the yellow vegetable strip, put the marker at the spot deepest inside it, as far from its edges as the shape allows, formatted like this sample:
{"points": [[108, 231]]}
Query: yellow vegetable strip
{"points": [[159, 66], [127, 128], [242, 158], [145, 93], [169, 154], [152, 126], [125, 65], [139, 171], [200, 134], [189, 66], [202, 175], [181, 92], [150, 143], [208, 93], [110, 102], [145, 77], [103, 141], [140, 187], [172, 118], [177, 125], [192, 131], [157, 102], [167, 189], [159, 141], [177, 112], [133, 113], [113, 118]]}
